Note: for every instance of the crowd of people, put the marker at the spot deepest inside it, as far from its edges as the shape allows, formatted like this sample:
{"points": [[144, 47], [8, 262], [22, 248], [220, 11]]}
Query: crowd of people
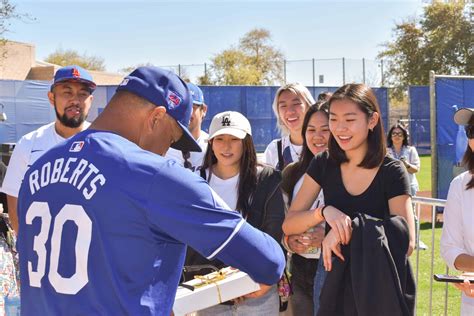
{"points": [[330, 203]]}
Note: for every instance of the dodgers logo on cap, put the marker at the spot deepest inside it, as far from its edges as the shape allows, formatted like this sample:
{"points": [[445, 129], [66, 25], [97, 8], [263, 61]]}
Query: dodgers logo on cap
{"points": [[174, 100], [226, 120]]}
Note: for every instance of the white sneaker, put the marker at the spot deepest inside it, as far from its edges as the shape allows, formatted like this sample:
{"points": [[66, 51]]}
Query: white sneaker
{"points": [[422, 245]]}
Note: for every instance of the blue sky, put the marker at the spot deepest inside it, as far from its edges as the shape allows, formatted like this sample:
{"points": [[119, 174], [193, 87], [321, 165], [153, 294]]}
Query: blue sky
{"points": [[126, 33]]}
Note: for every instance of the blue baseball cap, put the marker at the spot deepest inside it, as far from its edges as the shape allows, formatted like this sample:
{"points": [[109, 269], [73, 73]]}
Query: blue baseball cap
{"points": [[164, 88], [196, 93], [74, 73]]}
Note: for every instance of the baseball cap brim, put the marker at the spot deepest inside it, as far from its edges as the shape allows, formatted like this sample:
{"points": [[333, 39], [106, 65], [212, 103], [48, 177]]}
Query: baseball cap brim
{"points": [[463, 116], [91, 85], [230, 131], [186, 142]]}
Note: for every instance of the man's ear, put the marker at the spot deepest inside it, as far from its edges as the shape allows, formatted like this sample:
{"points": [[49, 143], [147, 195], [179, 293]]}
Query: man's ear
{"points": [[204, 110], [51, 98], [156, 117]]}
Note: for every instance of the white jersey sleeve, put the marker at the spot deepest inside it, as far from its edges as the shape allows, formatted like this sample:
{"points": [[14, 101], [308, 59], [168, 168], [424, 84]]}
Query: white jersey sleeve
{"points": [[17, 167], [271, 153], [29, 148]]}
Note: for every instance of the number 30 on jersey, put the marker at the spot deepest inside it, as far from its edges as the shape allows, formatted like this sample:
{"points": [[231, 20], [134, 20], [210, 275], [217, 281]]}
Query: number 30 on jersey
{"points": [[69, 212]]}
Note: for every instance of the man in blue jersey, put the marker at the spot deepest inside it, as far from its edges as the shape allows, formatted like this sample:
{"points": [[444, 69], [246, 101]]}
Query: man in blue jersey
{"points": [[104, 221]]}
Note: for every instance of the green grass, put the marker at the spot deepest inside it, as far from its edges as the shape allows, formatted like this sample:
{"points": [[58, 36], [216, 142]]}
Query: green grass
{"points": [[424, 175], [424, 277], [424, 274]]}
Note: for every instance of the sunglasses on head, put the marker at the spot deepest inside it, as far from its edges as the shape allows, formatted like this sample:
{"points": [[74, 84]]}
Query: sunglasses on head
{"points": [[187, 164], [400, 134], [470, 131]]}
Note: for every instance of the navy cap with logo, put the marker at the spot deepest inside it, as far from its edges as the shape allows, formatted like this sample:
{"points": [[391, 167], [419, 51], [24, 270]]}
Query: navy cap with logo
{"points": [[74, 73], [164, 88]]}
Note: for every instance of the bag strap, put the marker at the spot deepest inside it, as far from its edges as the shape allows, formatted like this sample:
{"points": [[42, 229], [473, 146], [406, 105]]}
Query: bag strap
{"points": [[281, 163], [202, 172]]}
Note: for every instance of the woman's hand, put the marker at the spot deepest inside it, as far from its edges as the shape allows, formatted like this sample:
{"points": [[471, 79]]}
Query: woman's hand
{"points": [[315, 237], [296, 245], [339, 222], [331, 244], [466, 287], [263, 290], [303, 243]]}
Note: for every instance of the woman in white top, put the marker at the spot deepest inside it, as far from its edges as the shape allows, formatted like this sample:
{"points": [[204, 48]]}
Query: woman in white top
{"points": [[289, 105], [457, 239], [231, 169], [398, 148]]}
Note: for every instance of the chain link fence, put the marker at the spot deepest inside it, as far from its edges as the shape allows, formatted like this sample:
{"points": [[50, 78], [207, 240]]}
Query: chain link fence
{"points": [[331, 72]]}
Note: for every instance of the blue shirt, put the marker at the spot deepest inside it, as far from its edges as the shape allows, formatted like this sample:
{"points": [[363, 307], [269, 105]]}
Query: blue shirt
{"points": [[104, 225]]}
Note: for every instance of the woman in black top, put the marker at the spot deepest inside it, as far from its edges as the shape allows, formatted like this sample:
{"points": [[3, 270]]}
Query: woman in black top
{"points": [[355, 174]]}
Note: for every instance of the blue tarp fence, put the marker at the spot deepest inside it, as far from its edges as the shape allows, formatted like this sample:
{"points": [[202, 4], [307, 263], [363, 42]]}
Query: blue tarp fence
{"points": [[451, 141], [28, 108], [419, 123]]}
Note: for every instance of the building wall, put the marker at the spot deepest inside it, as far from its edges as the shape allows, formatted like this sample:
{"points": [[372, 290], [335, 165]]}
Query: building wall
{"points": [[106, 78], [41, 73], [16, 60]]}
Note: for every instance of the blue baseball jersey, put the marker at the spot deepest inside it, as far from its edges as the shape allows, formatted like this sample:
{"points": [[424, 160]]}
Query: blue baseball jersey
{"points": [[104, 224]]}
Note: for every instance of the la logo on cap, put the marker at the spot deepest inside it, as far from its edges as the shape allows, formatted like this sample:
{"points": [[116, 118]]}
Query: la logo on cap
{"points": [[226, 120], [75, 73]]}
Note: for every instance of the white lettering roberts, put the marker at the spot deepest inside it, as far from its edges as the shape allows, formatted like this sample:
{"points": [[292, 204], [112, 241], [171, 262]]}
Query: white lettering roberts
{"points": [[58, 165], [70, 172], [34, 184], [98, 178]]}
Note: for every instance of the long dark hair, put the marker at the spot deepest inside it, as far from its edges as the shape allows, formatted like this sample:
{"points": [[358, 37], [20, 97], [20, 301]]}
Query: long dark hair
{"points": [[293, 172], [247, 174], [405, 135], [364, 97], [468, 159]]}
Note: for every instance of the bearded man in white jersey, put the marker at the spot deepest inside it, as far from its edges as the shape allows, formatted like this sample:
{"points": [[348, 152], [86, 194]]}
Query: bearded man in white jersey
{"points": [[71, 97]]}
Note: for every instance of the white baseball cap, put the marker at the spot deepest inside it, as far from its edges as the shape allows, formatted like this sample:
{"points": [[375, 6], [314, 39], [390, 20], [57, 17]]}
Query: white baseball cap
{"points": [[463, 116], [230, 122]]}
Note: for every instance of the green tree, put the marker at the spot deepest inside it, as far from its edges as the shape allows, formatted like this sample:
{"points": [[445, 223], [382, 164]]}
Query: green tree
{"points": [[233, 67], [442, 39], [255, 61], [71, 57]]}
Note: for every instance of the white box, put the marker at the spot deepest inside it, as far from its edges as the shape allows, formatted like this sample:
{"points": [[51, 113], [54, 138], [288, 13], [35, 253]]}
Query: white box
{"points": [[235, 284]]}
